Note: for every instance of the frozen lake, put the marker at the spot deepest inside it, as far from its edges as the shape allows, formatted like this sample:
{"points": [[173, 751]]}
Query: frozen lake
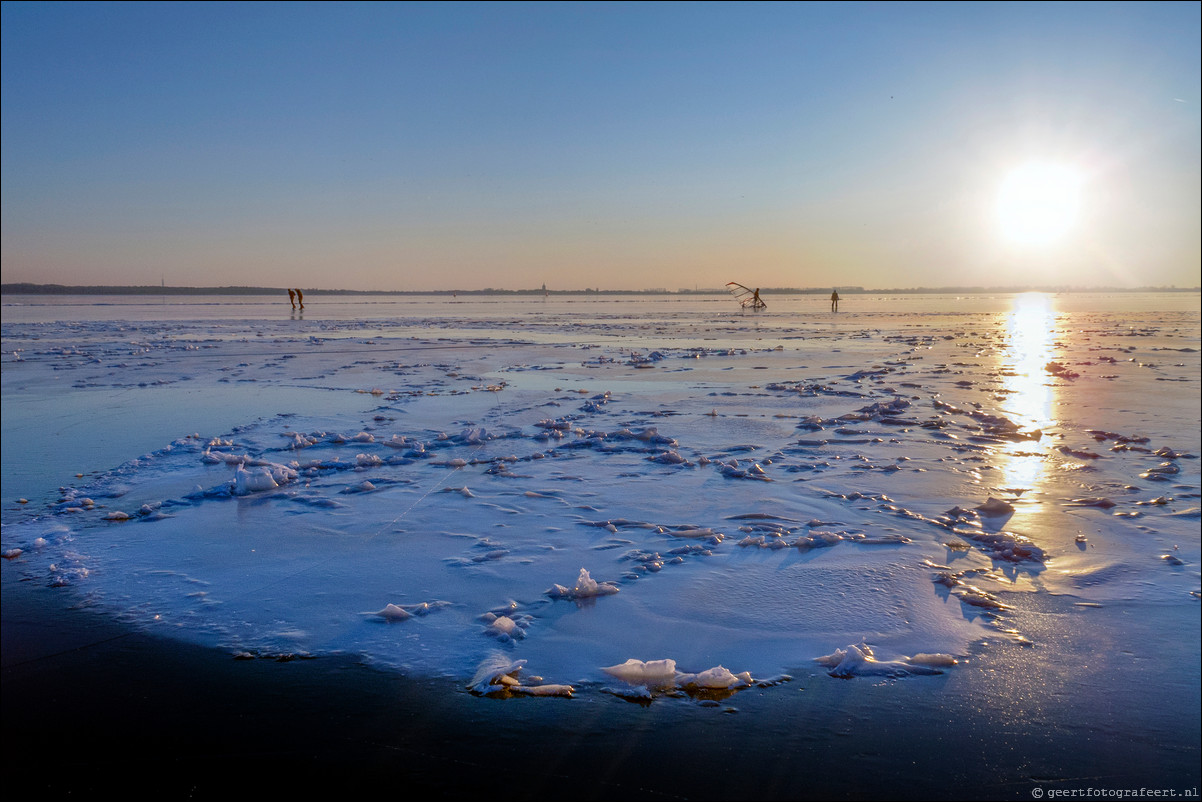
{"points": [[655, 498]]}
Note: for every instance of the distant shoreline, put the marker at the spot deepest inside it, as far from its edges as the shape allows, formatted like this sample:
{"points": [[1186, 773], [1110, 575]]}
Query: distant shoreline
{"points": [[59, 289]]}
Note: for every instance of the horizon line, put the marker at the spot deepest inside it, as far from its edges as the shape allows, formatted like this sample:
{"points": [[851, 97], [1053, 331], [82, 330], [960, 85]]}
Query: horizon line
{"points": [[29, 288]]}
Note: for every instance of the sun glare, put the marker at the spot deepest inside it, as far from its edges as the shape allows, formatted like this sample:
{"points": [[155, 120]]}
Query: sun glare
{"points": [[1027, 385], [1038, 203]]}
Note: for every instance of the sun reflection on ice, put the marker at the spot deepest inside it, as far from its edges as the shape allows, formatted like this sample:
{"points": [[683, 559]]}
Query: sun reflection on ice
{"points": [[1027, 384]]}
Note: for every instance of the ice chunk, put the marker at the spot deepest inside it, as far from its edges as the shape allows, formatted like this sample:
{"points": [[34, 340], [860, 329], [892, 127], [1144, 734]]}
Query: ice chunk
{"points": [[586, 587], [859, 661], [717, 678], [662, 674], [933, 660], [261, 476], [1100, 502], [505, 628], [995, 507], [498, 675], [637, 672], [397, 612], [473, 436], [253, 481], [543, 690], [497, 669], [393, 612]]}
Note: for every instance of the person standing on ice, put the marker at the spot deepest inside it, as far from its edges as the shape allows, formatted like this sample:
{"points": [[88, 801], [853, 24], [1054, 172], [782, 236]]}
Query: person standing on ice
{"points": [[292, 298], [835, 301], [300, 297]]}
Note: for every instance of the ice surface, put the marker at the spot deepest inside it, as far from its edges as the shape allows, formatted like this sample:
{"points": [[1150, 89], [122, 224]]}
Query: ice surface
{"points": [[419, 483]]}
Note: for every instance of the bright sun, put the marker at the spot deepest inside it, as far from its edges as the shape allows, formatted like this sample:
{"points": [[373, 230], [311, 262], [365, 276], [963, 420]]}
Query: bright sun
{"points": [[1038, 203]]}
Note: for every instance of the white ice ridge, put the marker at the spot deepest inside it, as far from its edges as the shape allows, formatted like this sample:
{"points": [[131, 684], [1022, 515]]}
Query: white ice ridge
{"points": [[585, 588], [858, 661], [498, 676], [663, 674]]}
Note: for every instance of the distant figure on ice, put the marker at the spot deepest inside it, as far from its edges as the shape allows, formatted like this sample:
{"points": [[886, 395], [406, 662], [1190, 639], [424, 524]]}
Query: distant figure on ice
{"points": [[756, 303], [300, 298], [835, 301], [292, 298]]}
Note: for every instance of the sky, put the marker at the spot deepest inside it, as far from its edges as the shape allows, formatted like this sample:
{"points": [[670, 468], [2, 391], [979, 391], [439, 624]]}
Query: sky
{"points": [[424, 146]]}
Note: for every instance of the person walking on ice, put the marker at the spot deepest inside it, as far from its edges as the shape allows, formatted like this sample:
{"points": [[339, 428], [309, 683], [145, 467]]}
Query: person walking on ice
{"points": [[835, 301]]}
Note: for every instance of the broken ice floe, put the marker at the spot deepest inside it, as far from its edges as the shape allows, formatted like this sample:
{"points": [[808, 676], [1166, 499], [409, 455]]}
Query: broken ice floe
{"points": [[990, 605], [261, 477], [1099, 502], [859, 661], [1079, 453], [681, 531], [644, 678], [653, 673], [506, 627], [733, 470], [393, 612], [996, 427], [585, 588], [995, 508], [1161, 472], [820, 540], [497, 676], [403, 612], [969, 594], [999, 545]]}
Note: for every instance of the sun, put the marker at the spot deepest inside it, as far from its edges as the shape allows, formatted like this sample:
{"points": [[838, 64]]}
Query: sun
{"points": [[1038, 203]]}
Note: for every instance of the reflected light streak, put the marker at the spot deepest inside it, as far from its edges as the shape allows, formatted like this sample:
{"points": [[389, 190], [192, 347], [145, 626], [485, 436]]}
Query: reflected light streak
{"points": [[1027, 384]]}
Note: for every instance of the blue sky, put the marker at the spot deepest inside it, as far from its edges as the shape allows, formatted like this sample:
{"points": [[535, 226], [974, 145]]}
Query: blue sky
{"points": [[422, 146]]}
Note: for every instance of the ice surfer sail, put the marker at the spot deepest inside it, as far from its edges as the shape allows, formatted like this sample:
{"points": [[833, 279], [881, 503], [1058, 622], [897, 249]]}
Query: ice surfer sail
{"points": [[748, 299]]}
